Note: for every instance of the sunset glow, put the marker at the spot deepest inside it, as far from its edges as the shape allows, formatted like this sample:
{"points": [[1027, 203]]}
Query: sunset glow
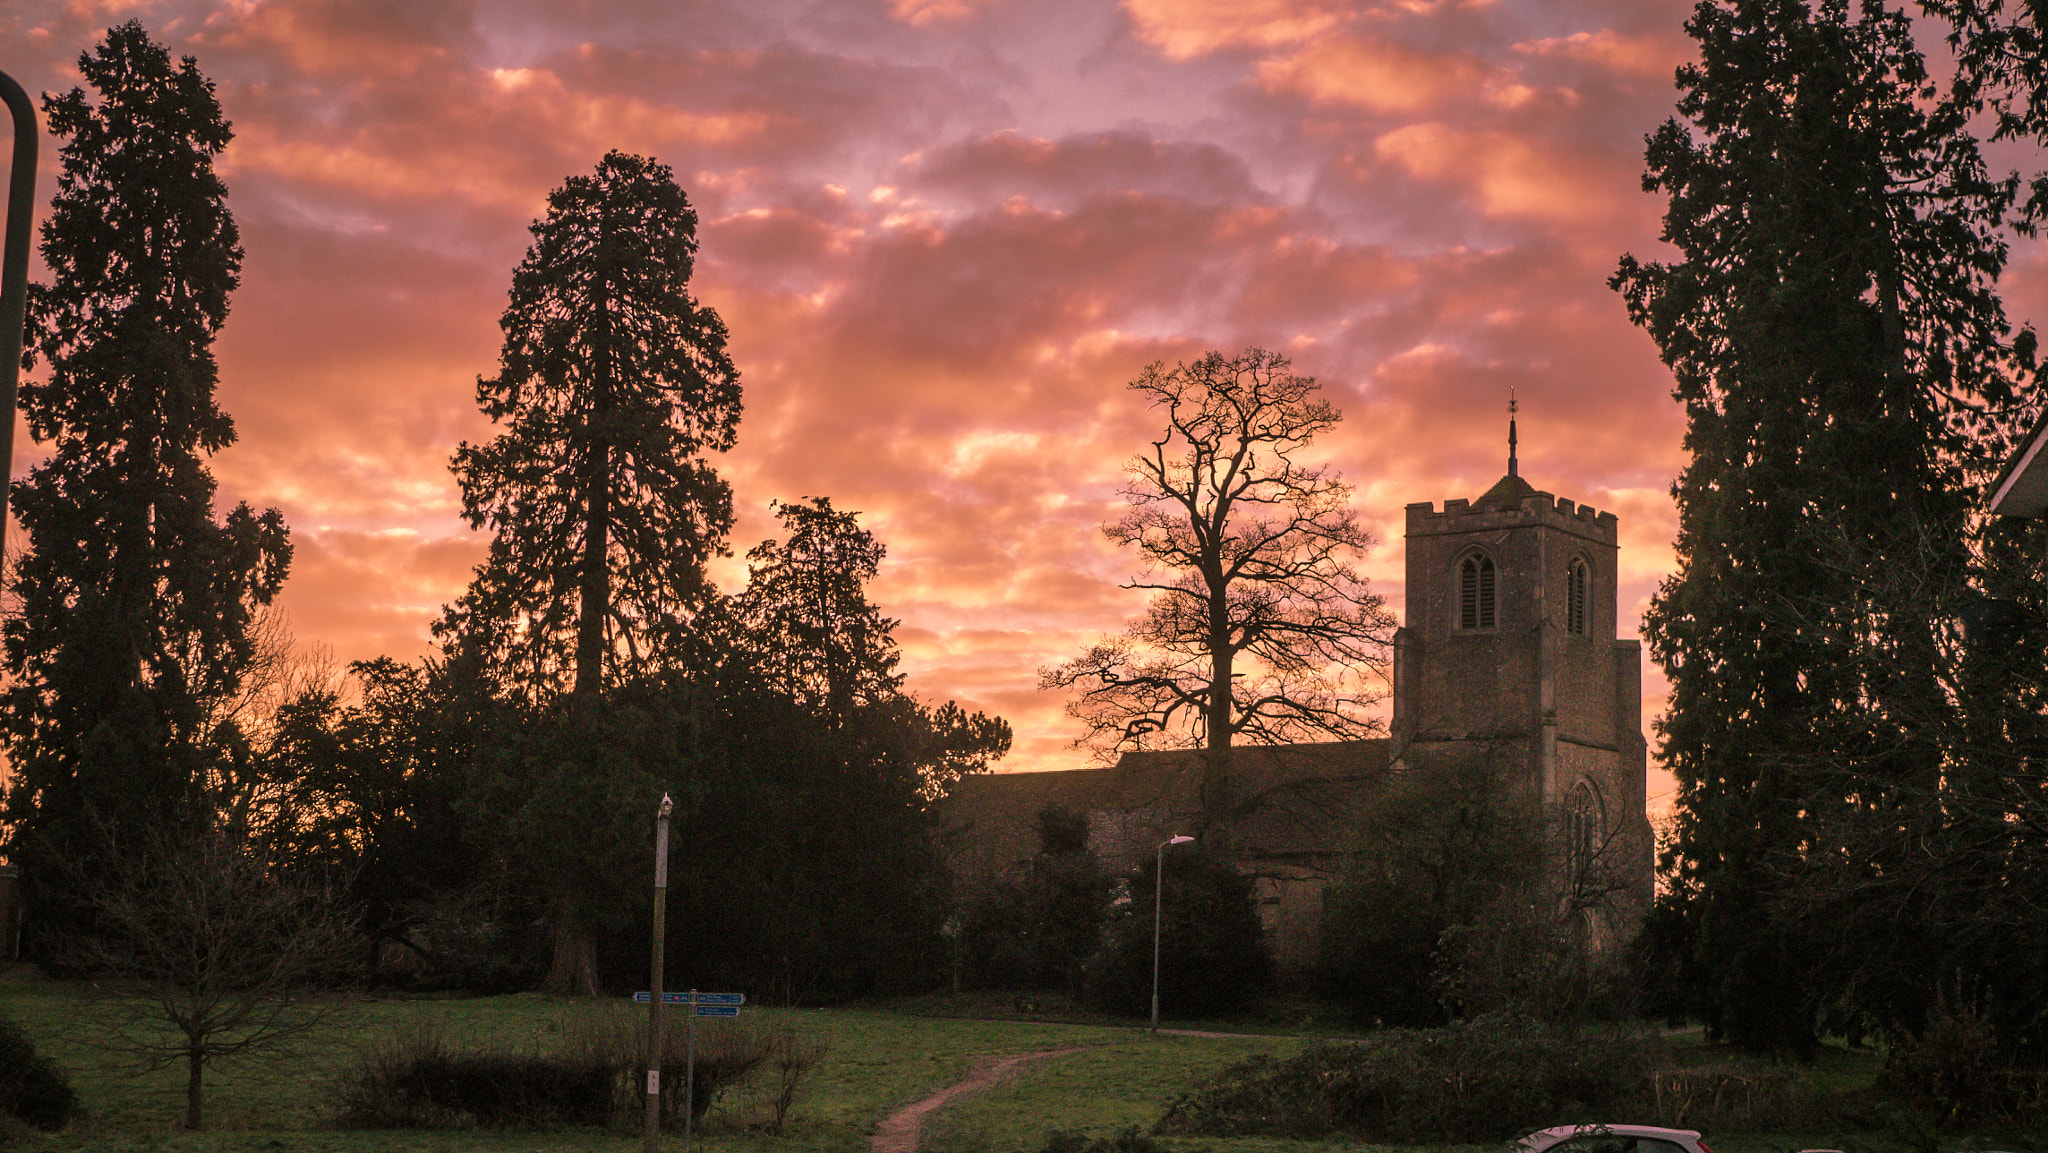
{"points": [[943, 234]]}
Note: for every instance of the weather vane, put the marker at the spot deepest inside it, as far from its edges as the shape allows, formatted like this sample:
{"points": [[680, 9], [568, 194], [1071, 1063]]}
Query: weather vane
{"points": [[1513, 469]]}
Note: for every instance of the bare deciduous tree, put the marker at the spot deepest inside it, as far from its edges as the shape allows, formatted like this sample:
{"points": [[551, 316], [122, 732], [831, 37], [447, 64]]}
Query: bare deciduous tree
{"points": [[215, 948], [1260, 629]]}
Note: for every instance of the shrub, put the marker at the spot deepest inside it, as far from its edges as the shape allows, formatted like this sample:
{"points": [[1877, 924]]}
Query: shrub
{"points": [[592, 1077], [1953, 1073], [1378, 954], [1752, 1096], [1482, 1080], [792, 1056], [414, 1081], [32, 1088], [1039, 929], [1129, 1140]]}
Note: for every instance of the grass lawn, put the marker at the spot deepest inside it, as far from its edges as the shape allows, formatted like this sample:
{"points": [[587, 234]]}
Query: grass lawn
{"points": [[880, 1059]]}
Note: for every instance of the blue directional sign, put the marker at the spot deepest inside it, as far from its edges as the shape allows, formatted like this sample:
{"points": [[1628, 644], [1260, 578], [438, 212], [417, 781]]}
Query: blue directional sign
{"points": [[717, 1010], [702, 1001]]}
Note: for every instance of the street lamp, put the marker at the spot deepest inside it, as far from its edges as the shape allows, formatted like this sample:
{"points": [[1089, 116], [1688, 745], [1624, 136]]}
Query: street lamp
{"points": [[1158, 887], [21, 203]]}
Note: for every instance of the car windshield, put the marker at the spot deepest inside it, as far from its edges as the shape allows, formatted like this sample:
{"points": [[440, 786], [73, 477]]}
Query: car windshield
{"points": [[1615, 1143]]}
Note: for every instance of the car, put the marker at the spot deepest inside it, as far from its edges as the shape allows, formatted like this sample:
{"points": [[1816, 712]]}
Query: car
{"points": [[1611, 1139]]}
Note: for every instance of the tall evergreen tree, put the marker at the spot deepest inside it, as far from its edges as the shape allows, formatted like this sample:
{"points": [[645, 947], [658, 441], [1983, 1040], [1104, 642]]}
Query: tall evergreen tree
{"points": [[132, 602], [1835, 337], [613, 383]]}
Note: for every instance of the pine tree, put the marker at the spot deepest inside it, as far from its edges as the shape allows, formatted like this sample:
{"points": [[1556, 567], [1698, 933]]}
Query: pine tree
{"points": [[132, 602], [1835, 337], [613, 383]]}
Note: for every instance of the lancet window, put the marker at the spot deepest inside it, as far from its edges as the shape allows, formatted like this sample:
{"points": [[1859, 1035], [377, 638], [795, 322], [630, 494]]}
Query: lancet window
{"points": [[1476, 609]]}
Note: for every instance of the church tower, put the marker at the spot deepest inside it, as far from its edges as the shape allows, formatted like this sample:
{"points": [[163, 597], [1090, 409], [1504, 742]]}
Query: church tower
{"points": [[1509, 658]]}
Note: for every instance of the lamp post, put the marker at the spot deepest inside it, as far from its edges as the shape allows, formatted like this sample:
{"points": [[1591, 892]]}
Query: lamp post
{"points": [[21, 198], [1158, 887]]}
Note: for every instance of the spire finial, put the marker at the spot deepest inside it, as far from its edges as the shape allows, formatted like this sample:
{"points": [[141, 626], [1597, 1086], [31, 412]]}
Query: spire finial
{"points": [[1513, 470]]}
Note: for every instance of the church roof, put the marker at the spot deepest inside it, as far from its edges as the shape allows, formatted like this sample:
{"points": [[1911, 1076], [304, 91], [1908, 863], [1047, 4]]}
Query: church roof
{"points": [[1302, 800], [1507, 492]]}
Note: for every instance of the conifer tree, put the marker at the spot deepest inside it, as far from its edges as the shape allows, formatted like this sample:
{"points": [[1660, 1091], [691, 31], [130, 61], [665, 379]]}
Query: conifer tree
{"points": [[805, 623], [132, 602], [806, 612], [613, 383], [1835, 337]]}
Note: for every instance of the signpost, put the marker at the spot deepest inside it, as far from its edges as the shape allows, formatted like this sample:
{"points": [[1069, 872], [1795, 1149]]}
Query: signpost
{"points": [[711, 1004], [651, 1139], [701, 1005]]}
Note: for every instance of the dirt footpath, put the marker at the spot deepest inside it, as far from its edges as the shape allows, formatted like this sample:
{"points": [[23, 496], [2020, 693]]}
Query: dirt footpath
{"points": [[899, 1132]]}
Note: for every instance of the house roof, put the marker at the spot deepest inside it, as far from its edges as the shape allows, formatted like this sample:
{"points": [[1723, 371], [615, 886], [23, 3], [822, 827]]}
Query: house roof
{"points": [[2022, 489]]}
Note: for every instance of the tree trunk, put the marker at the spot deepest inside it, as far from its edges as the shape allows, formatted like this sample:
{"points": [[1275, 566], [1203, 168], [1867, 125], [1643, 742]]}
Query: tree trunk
{"points": [[596, 482], [595, 581], [1219, 792], [195, 1064], [574, 970]]}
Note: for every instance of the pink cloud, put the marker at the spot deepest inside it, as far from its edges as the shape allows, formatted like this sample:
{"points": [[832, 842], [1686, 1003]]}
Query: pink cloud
{"points": [[944, 234]]}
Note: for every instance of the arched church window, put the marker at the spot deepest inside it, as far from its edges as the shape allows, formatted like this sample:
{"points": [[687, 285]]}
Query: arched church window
{"points": [[1576, 581], [1584, 818], [1475, 593]]}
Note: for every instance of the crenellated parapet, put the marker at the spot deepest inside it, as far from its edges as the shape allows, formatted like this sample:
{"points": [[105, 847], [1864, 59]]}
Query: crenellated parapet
{"points": [[1531, 509]]}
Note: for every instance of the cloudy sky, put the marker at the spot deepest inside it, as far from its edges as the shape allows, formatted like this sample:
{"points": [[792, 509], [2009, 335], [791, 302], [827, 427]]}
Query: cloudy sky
{"points": [[944, 234]]}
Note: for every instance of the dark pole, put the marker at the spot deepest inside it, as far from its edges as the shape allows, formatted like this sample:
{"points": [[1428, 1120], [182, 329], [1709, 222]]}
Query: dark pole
{"points": [[21, 203], [1159, 887], [651, 1137]]}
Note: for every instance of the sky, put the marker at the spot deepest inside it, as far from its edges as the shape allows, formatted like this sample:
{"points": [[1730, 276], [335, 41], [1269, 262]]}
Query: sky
{"points": [[943, 234]]}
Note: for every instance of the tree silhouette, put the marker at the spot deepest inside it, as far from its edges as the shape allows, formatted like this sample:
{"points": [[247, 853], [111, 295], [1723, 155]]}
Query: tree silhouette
{"points": [[1835, 336], [805, 611], [213, 947], [613, 382], [132, 603], [1260, 629]]}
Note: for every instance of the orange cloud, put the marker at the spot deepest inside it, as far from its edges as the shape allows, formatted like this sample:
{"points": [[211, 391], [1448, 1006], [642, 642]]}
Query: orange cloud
{"points": [[1503, 173], [1383, 77], [1654, 56], [1182, 29]]}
